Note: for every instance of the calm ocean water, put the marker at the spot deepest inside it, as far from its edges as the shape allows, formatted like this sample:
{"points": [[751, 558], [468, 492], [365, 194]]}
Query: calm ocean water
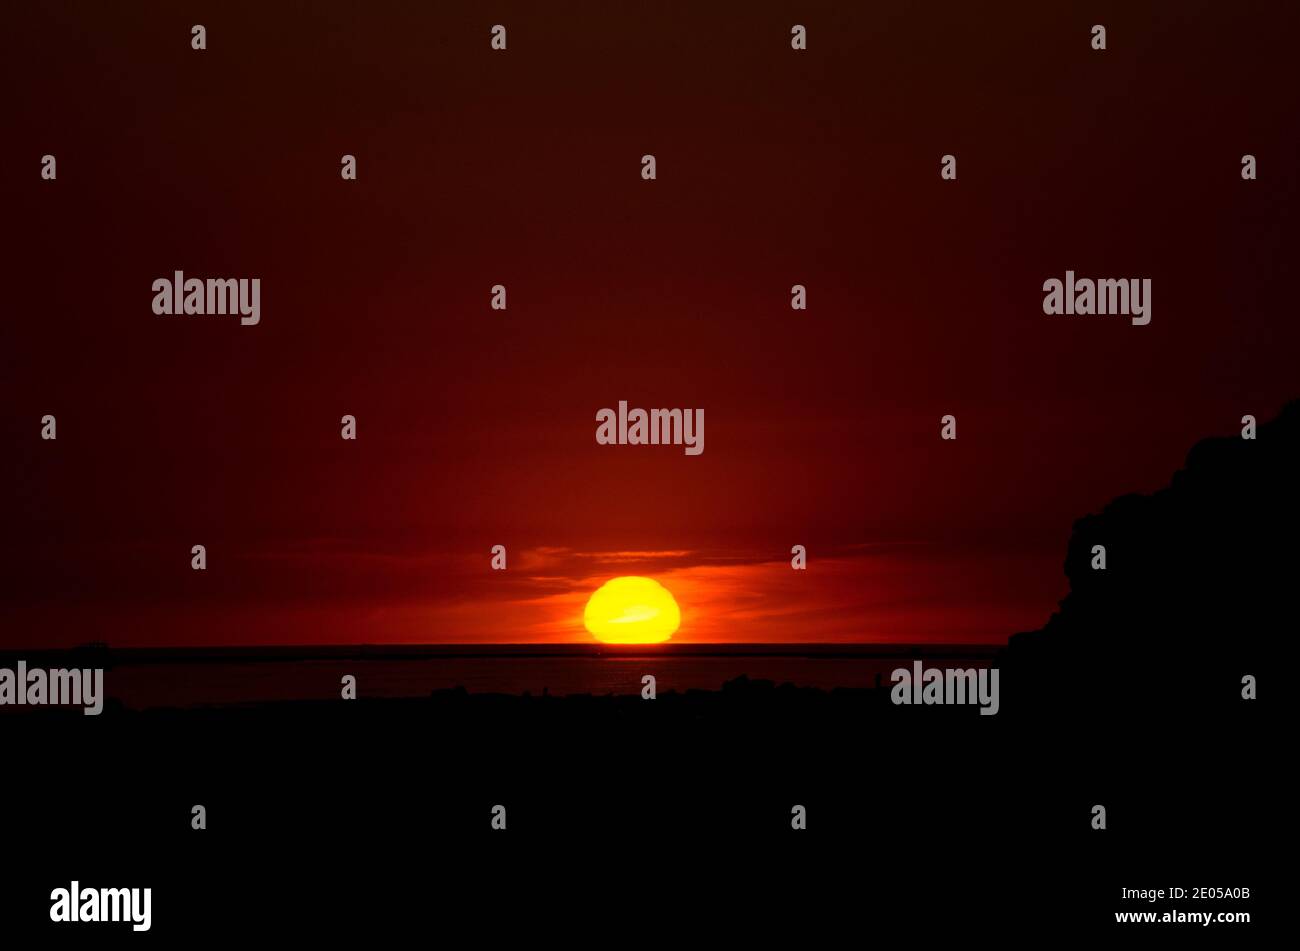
{"points": [[143, 678]]}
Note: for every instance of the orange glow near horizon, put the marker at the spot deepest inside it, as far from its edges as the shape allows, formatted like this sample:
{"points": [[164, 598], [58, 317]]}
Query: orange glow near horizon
{"points": [[632, 610]]}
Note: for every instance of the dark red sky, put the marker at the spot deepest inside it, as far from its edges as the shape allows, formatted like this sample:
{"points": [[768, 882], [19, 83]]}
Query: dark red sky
{"points": [[477, 427]]}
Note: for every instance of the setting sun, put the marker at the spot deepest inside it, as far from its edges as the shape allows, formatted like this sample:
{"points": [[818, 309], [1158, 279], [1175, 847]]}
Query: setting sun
{"points": [[631, 610]]}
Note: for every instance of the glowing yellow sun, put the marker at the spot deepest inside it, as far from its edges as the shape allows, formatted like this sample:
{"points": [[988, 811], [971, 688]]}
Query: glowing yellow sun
{"points": [[631, 610]]}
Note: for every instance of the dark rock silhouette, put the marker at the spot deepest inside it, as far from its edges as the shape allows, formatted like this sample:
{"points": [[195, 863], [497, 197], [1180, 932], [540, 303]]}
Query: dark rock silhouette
{"points": [[1196, 592]]}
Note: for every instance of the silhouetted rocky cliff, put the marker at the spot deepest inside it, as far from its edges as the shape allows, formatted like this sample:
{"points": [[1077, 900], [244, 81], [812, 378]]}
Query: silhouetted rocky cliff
{"points": [[1198, 585]]}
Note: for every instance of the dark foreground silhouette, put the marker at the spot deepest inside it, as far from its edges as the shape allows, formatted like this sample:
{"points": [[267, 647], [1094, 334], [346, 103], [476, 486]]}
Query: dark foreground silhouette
{"points": [[1130, 697]]}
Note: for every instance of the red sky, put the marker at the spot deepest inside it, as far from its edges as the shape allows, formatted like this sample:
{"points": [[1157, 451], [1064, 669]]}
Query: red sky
{"points": [[521, 167]]}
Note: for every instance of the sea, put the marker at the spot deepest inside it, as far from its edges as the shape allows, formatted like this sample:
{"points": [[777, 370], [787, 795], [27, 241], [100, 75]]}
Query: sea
{"points": [[145, 678]]}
